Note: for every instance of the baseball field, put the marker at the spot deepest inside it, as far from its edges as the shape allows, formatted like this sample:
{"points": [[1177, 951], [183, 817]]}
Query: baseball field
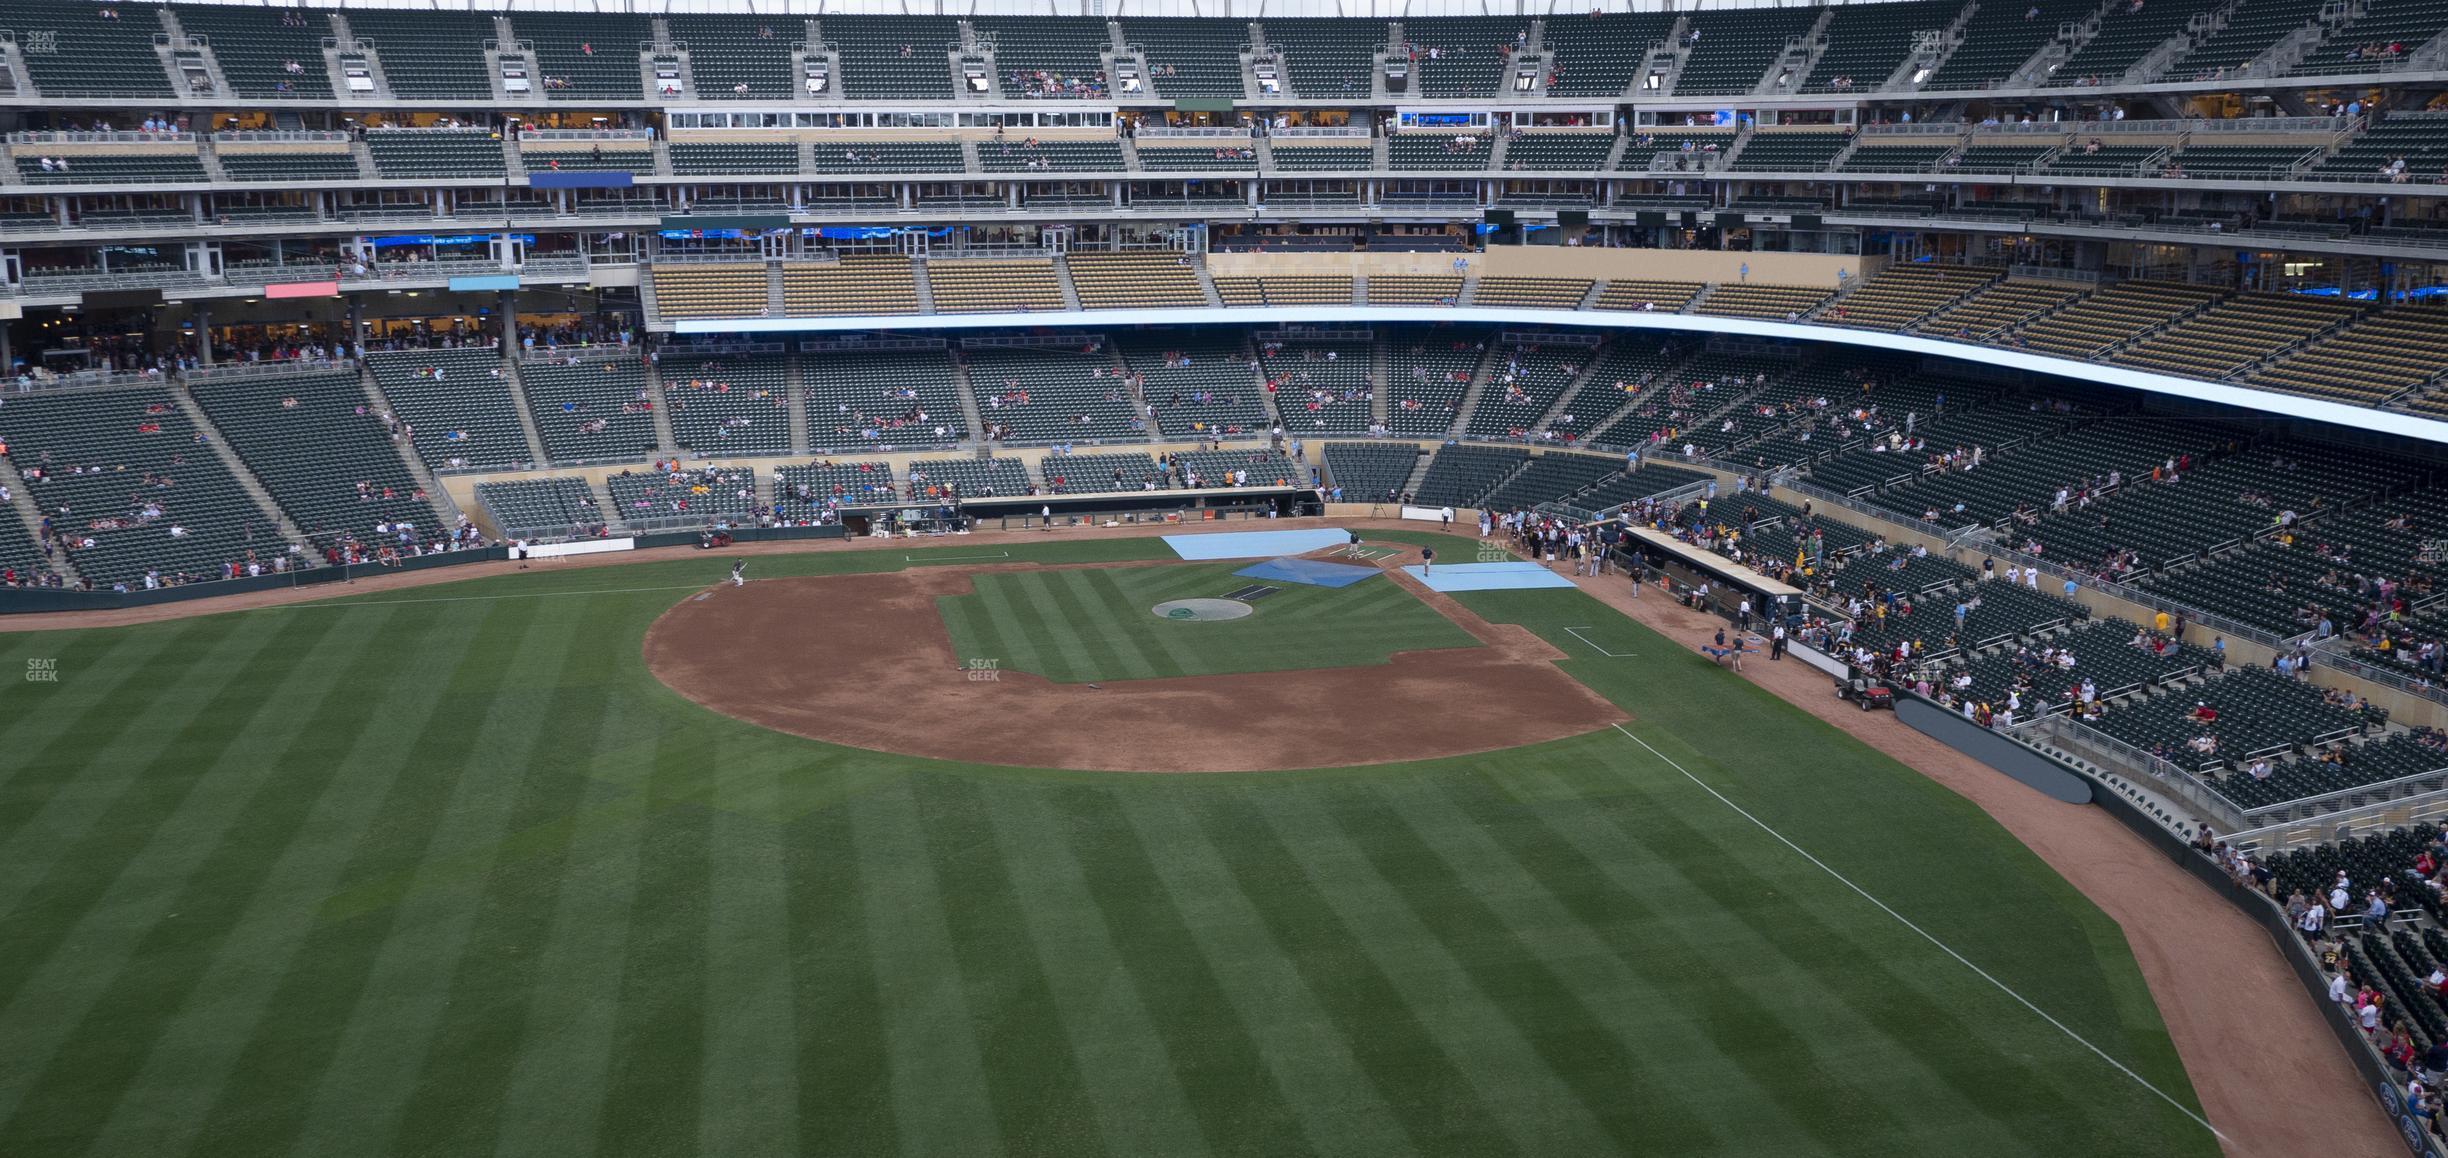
{"points": [[487, 868]]}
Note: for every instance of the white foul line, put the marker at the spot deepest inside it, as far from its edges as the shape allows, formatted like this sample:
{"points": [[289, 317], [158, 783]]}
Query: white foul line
{"points": [[1576, 633], [954, 558], [1925, 935], [344, 601]]}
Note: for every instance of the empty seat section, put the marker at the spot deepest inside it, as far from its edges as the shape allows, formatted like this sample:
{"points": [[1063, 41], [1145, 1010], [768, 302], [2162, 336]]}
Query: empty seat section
{"points": [[1427, 378], [256, 46], [1436, 151], [2421, 141], [1369, 472], [1461, 56], [1313, 158], [2125, 36], [1388, 289], [940, 478], [2114, 315], [695, 496], [2361, 44], [1999, 38], [1072, 394], [1163, 158], [1733, 49], [1199, 383], [456, 403], [1524, 382], [732, 405], [1649, 296], [444, 153], [288, 165], [887, 156], [2252, 29], [1776, 302], [2386, 354], [1327, 57], [1080, 474], [970, 287], [1998, 308], [587, 56], [112, 167], [856, 284], [1190, 56], [709, 291], [548, 508], [323, 455], [427, 53], [592, 409], [1867, 43], [1902, 294], [888, 57], [2235, 333], [1567, 151], [749, 158], [1460, 475], [1892, 156], [1600, 53], [1792, 151], [881, 400], [1106, 281], [742, 57], [86, 53], [1553, 293]]}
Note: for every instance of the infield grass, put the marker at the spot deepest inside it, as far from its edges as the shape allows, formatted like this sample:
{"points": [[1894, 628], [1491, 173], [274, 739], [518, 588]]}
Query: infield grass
{"points": [[446, 872], [1096, 624]]}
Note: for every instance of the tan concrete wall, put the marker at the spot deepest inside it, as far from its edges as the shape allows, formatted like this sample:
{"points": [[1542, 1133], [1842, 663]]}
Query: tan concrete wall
{"points": [[1333, 264]]}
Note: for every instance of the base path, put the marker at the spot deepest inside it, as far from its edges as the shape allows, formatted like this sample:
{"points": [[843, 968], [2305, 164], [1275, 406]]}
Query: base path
{"points": [[865, 660]]}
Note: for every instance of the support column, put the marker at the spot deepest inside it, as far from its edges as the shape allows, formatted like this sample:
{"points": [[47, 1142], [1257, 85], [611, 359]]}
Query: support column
{"points": [[8, 358], [203, 332], [509, 321], [356, 323]]}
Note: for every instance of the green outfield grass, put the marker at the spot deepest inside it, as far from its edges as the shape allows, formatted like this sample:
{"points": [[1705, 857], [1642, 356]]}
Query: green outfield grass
{"points": [[1096, 624], [446, 872]]}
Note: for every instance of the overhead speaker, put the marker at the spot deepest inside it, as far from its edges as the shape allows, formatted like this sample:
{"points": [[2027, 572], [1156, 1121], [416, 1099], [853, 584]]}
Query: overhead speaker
{"points": [[1649, 218], [1501, 218], [1572, 216], [1729, 220], [1806, 221]]}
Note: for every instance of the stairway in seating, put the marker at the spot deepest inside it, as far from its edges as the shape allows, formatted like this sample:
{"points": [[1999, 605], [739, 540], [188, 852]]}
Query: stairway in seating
{"points": [[665, 443], [21, 498], [794, 395], [238, 469], [1470, 398], [518, 406], [444, 508]]}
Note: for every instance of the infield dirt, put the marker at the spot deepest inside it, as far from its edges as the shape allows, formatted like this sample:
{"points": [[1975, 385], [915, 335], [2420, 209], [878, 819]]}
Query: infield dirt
{"points": [[865, 660]]}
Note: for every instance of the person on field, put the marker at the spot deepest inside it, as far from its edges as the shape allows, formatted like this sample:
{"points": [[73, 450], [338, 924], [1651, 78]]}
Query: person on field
{"points": [[1427, 560], [739, 572]]}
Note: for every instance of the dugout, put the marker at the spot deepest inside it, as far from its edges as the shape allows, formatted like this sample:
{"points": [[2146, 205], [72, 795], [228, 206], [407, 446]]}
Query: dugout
{"points": [[1728, 581]]}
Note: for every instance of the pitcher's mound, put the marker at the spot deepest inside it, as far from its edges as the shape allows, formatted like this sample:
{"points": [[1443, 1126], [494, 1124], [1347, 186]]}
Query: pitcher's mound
{"points": [[1201, 609]]}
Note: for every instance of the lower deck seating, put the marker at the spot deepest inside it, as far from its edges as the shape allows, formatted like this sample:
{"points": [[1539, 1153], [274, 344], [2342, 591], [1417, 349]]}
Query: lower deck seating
{"points": [[881, 399], [700, 495], [940, 478], [540, 507], [807, 494], [1063, 395], [1320, 387], [128, 490], [1369, 472], [454, 405], [599, 408], [322, 453], [1460, 475], [1079, 474], [735, 405]]}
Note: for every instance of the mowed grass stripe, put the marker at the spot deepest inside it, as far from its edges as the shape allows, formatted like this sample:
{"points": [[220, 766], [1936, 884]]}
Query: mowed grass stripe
{"points": [[94, 746], [261, 907], [1088, 598], [1175, 941], [750, 1072], [458, 1099], [845, 1076], [1437, 1106], [1611, 1034], [1016, 628], [1921, 1004], [1535, 1107], [163, 825], [1731, 1032], [1069, 641], [652, 1102], [1040, 1099], [362, 1099], [553, 1102], [940, 1101], [185, 1070], [1164, 648], [1125, 1064], [270, 1084], [41, 720]]}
